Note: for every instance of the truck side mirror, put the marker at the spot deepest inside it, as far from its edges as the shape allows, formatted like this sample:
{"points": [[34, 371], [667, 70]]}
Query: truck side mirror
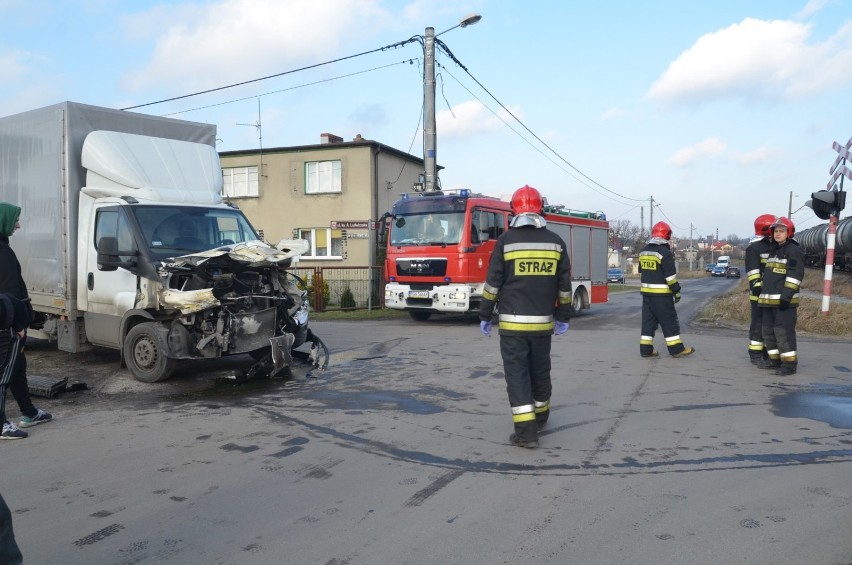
{"points": [[382, 228], [109, 256]]}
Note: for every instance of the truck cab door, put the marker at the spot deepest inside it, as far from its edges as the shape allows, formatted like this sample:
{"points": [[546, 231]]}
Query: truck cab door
{"points": [[485, 227], [111, 292]]}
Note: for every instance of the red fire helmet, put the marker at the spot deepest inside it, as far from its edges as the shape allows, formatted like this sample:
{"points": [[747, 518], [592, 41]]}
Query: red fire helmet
{"points": [[787, 223], [661, 230], [527, 199], [762, 224]]}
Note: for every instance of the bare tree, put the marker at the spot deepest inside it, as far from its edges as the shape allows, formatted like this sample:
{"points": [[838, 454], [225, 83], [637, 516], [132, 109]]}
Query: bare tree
{"points": [[622, 233]]}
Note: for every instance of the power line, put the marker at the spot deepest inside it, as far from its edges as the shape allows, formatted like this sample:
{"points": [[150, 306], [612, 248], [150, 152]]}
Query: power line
{"points": [[453, 57], [409, 61], [391, 46]]}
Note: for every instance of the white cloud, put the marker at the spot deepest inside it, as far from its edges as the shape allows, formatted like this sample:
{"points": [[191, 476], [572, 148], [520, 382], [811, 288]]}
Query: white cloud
{"points": [[757, 59], [245, 39], [756, 156], [811, 8], [709, 147], [469, 118]]}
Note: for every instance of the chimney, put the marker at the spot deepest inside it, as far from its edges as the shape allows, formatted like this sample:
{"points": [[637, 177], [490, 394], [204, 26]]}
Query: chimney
{"points": [[326, 138], [358, 138]]}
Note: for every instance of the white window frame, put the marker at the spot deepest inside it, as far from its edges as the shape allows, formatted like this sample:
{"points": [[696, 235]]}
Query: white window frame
{"points": [[312, 253], [240, 182], [323, 177]]}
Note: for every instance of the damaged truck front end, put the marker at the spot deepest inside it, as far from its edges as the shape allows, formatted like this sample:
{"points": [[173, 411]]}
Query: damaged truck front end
{"points": [[236, 299]]}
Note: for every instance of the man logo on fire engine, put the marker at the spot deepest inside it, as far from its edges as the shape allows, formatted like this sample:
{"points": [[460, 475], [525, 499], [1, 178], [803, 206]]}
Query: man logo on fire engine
{"points": [[480, 263]]}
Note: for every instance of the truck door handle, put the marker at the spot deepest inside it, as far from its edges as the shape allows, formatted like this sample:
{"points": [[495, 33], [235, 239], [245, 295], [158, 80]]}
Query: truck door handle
{"points": [[90, 281]]}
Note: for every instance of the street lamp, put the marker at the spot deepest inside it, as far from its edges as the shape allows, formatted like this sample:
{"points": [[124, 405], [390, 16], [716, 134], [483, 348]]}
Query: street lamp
{"points": [[430, 140]]}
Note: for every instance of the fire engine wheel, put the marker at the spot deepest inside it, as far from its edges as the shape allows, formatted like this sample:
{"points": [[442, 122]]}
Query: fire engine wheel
{"points": [[419, 315], [144, 356], [577, 301]]}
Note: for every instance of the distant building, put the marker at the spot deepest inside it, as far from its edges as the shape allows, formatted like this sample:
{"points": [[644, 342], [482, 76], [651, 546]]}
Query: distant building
{"points": [[330, 194]]}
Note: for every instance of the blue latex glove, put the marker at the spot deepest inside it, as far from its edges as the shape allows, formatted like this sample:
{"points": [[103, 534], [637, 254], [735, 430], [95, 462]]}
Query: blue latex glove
{"points": [[485, 327], [560, 328]]}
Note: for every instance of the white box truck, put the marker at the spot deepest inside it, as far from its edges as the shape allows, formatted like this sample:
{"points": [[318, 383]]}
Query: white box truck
{"points": [[126, 243]]}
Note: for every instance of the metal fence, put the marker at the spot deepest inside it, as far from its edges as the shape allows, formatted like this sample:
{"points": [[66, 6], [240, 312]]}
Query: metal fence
{"points": [[343, 288]]}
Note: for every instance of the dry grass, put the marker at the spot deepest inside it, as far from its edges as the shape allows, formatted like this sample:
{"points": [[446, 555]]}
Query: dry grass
{"points": [[733, 308]]}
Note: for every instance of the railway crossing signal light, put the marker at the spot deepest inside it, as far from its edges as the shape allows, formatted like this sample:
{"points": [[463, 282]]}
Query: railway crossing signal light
{"points": [[827, 203]]}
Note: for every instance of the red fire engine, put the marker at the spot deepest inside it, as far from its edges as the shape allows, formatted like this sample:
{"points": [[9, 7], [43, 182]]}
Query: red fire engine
{"points": [[440, 243]]}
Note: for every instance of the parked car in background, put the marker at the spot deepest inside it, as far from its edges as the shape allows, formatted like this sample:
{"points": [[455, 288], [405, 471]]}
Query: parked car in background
{"points": [[718, 271], [732, 273], [615, 276], [709, 267]]}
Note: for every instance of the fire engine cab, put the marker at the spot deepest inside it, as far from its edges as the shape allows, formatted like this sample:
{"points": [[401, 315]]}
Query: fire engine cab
{"points": [[439, 245]]}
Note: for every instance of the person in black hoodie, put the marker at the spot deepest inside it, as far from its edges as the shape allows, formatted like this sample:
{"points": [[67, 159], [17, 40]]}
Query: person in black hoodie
{"points": [[13, 314], [13, 363]]}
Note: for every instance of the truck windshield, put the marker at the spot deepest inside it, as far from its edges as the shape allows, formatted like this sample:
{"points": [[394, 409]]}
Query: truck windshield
{"points": [[427, 221], [188, 229], [427, 229]]}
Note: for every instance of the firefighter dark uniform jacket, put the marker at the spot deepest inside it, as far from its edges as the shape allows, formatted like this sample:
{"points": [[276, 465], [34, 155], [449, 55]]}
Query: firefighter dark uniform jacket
{"points": [[657, 269], [530, 273], [756, 255], [782, 277]]}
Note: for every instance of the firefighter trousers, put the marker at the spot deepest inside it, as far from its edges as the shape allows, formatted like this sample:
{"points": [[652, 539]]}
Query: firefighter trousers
{"points": [[779, 334], [526, 365], [756, 345], [660, 311]]}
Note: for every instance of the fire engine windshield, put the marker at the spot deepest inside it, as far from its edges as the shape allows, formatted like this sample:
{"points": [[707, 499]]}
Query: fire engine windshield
{"points": [[434, 228]]}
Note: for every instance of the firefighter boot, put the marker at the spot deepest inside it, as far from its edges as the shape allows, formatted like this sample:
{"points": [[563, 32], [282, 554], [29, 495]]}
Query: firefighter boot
{"points": [[755, 357], [786, 368], [769, 363], [518, 442], [686, 351], [526, 434]]}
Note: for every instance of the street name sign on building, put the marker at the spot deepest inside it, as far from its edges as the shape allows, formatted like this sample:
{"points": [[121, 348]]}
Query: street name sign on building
{"points": [[350, 224]]}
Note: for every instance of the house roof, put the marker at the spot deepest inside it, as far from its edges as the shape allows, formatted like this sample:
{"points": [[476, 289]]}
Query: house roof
{"points": [[357, 142]]}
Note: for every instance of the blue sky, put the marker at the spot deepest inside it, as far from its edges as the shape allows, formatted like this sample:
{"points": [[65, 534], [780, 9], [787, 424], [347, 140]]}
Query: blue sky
{"points": [[719, 110]]}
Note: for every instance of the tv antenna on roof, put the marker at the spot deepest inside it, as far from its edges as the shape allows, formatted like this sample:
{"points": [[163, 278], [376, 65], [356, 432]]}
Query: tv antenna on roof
{"points": [[259, 127]]}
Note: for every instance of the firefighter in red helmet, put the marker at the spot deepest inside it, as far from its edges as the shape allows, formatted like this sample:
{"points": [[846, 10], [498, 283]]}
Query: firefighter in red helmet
{"points": [[755, 260], [530, 275], [660, 291], [779, 298]]}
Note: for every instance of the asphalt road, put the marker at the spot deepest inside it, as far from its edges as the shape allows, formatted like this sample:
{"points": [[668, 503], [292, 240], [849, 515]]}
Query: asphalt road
{"points": [[398, 454]]}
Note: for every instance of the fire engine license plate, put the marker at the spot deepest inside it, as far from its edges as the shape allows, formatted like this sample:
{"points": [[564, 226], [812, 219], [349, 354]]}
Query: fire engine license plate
{"points": [[418, 294]]}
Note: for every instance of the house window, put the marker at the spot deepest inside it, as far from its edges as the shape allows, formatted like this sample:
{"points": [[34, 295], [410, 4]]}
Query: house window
{"points": [[322, 177], [325, 243], [239, 182]]}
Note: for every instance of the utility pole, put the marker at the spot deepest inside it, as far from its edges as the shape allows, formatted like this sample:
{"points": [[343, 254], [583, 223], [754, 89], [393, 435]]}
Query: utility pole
{"points": [[430, 137], [430, 128], [651, 222], [790, 205]]}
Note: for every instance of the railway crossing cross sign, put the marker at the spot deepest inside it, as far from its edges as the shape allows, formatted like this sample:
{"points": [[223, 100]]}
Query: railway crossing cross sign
{"points": [[837, 170]]}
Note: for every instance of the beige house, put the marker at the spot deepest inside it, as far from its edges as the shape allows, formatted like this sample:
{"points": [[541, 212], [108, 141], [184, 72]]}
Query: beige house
{"points": [[330, 194]]}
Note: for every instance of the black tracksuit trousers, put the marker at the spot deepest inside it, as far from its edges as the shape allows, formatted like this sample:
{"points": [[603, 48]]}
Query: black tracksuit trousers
{"points": [[13, 374]]}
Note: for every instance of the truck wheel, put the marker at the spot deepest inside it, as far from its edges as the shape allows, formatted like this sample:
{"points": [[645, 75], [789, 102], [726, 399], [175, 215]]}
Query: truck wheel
{"points": [[577, 300], [144, 356], [419, 315]]}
